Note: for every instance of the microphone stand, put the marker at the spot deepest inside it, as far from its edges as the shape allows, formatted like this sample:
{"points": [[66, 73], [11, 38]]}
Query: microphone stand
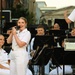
{"points": [[67, 33]]}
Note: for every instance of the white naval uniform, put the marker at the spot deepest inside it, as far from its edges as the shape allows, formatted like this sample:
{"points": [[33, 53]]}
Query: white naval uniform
{"points": [[72, 16], [19, 55], [4, 61]]}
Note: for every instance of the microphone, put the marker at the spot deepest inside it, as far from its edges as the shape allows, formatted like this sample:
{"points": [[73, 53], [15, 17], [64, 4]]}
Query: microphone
{"points": [[16, 27]]}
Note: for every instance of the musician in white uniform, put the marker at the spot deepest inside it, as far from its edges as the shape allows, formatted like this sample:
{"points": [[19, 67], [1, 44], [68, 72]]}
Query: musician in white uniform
{"points": [[19, 56], [4, 65]]}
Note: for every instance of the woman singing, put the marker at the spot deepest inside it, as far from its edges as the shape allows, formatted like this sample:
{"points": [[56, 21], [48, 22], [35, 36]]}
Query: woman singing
{"points": [[19, 56]]}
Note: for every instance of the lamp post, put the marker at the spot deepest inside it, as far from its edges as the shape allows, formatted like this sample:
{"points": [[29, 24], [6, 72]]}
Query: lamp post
{"points": [[1, 18]]}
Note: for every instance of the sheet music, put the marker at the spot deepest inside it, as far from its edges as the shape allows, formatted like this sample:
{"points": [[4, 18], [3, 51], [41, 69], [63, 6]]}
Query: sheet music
{"points": [[69, 46]]}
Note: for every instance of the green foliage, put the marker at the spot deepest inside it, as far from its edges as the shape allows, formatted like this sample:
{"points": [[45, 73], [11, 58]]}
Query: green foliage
{"points": [[20, 11], [43, 21]]}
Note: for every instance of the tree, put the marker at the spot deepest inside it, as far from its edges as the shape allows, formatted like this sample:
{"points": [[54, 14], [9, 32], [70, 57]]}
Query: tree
{"points": [[20, 11], [42, 20]]}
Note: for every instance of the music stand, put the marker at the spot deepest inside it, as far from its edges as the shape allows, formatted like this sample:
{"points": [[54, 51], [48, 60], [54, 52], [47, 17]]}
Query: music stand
{"points": [[63, 57], [69, 56], [69, 53], [57, 33], [42, 40], [58, 57], [43, 54]]}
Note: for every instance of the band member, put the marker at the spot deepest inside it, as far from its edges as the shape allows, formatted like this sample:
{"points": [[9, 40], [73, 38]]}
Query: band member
{"points": [[4, 65], [19, 56]]}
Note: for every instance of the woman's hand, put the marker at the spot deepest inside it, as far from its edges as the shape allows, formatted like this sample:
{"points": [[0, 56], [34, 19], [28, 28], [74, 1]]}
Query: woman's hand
{"points": [[65, 13], [13, 31]]}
